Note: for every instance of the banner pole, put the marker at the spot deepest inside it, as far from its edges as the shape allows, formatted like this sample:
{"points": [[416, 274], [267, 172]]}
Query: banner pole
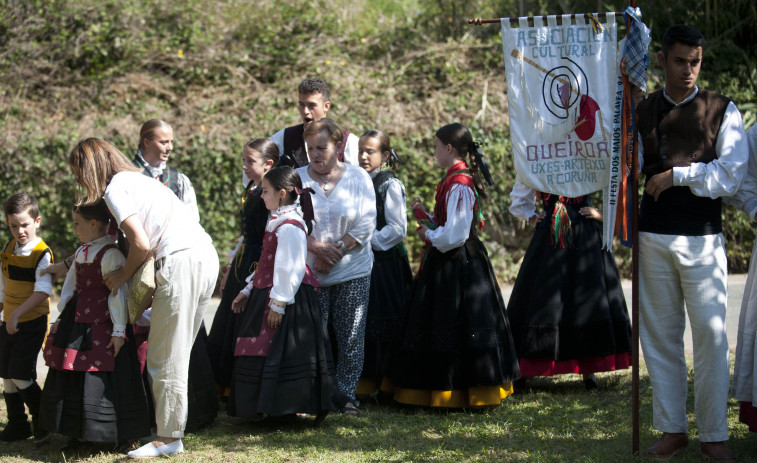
{"points": [[635, 285], [482, 21]]}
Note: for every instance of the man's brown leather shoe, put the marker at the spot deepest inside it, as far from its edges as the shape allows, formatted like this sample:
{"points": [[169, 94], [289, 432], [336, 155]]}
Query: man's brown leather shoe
{"points": [[717, 451], [667, 446]]}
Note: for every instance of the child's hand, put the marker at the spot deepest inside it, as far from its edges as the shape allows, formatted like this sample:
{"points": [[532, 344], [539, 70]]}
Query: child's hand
{"points": [[237, 306], [421, 232], [116, 342], [58, 270], [274, 319], [591, 213], [416, 203], [534, 220], [225, 277], [11, 326]]}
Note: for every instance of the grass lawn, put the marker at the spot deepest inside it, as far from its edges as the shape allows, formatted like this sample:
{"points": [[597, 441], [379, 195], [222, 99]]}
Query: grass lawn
{"points": [[557, 421]]}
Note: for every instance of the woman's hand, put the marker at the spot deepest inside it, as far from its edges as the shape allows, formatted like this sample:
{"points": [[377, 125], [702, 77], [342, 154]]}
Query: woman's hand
{"points": [[116, 342], [58, 270], [421, 232], [115, 280], [274, 319], [590, 213], [54, 327], [535, 219], [331, 253], [322, 266], [239, 303]]}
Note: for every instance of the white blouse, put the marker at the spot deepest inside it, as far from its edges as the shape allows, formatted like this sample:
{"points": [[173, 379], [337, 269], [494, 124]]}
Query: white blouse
{"points": [[349, 209], [291, 256], [746, 198], [112, 260], [170, 225], [522, 201], [455, 232], [395, 214]]}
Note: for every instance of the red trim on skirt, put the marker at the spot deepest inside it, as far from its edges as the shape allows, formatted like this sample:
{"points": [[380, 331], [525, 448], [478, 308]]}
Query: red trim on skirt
{"points": [[545, 367]]}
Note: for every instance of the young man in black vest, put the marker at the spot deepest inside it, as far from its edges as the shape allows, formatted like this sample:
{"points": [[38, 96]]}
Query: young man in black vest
{"points": [[693, 153], [314, 103]]}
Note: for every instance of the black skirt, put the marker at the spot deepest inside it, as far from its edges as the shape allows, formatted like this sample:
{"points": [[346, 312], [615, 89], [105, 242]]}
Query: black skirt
{"points": [[201, 390], [390, 287], [297, 375], [107, 406], [457, 334], [568, 303], [220, 342]]}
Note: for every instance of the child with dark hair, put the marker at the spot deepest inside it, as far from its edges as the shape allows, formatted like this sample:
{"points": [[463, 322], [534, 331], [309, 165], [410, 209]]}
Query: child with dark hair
{"points": [[567, 308], [258, 157], [25, 304], [94, 390], [457, 349], [283, 359], [391, 275]]}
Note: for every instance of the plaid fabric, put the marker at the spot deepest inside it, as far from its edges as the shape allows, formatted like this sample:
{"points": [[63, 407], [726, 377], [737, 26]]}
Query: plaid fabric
{"points": [[637, 46]]}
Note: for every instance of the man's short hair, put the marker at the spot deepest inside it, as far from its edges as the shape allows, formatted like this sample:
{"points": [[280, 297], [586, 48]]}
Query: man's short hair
{"points": [[20, 202], [680, 33], [314, 85]]}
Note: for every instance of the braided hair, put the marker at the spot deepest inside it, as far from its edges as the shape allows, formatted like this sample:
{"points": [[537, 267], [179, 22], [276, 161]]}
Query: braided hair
{"points": [[457, 135]]}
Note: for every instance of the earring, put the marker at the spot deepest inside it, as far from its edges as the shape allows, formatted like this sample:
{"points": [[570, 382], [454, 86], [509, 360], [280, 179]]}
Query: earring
{"points": [[279, 203]]}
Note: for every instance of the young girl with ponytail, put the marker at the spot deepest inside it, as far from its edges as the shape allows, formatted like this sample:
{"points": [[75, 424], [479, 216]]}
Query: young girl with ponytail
{"points": [[391, 275], [457, 350], [283, 362]]}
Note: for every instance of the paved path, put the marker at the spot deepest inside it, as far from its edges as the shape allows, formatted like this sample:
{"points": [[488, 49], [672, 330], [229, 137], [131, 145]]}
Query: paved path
{"points": [[735, 291]]}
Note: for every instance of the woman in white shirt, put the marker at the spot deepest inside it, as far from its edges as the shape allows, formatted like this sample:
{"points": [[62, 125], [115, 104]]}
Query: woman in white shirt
{"points": [[339, 249], [155, 221]]}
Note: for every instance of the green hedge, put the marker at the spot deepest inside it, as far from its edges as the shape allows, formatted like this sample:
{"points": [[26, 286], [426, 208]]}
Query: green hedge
{"points": [[225, 72]]}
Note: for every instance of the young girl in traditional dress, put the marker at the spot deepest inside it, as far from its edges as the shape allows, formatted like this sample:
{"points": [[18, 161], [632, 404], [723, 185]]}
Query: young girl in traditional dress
{"points": [[258, 157], [567, 307], [283, 361], [93, 391], [391, 275], [457, 350]]}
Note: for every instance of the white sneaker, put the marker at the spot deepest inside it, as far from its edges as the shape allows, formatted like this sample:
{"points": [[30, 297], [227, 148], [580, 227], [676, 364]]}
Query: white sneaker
{"points": [[148, 450]]}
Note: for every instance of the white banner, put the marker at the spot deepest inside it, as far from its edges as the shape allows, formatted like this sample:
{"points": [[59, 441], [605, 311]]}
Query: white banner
{"points": [[561, 93]]}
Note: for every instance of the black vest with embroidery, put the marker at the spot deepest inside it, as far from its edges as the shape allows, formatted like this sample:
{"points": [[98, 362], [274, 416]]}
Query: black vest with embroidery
{"points": [[677, 136], [169, 177], [381, 186]]}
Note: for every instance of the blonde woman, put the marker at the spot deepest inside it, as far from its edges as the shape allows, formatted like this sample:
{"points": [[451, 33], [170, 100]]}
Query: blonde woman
{"points": [[154, 221]]}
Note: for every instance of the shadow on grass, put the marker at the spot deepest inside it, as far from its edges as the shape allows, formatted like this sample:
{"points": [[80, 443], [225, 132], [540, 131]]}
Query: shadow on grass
{"points": [[558, 421]]}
